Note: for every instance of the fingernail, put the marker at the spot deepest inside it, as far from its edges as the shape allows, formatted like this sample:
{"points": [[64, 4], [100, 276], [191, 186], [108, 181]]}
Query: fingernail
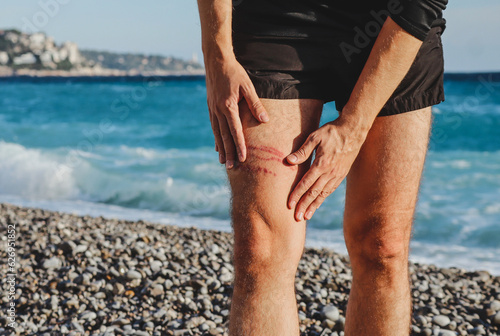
{"points": [[229, 164], [221, 158], [309, 214], [263, 117], [300, 216], [292, 158], [292, 205], [241, 158]]}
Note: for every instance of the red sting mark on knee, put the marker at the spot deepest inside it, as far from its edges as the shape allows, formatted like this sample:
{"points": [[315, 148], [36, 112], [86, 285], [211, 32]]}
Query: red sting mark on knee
{"points": [[255, 169], [268, 149]]}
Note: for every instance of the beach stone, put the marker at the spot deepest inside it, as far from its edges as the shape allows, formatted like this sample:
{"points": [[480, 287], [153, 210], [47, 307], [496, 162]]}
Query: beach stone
{"points": [[216, 331], [118, 288], [149, 325], [133, 275], [427, 332], [496, 319], [341, 323], [215, 249], [446, 332], [155, 265], [77, 326], [80, 249], [195, 322], [421, 320], [121, 322], [139, 333], [156, 290], [331, 312], [72, 303], [415, 330], [53, 262], [88, 316], [159, 314], [479, 330], [168, 284], [441, 320], [328, 324], [67, 247], [495, 305]]}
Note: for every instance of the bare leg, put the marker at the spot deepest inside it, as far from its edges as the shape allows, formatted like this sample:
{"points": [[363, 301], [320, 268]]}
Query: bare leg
{"points": [[268, 242], [382, 189]]}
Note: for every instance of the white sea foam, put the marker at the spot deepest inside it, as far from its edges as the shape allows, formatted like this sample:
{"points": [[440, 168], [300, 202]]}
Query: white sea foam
{"points": [[33, 175]]}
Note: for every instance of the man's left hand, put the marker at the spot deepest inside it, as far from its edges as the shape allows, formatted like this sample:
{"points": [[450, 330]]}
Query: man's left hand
{"points": [[337, 145]]}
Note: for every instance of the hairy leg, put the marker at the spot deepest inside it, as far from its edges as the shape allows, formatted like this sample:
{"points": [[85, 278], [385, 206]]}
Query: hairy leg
{"points": [[268, 242], [382, 190]]}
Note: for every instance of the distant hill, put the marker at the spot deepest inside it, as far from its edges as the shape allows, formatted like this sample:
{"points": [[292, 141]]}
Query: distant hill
{"points": [[138, 62], [33, 54]]}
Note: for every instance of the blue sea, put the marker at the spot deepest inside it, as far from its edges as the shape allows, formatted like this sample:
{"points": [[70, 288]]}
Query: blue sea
{"points": [[144, 150]]}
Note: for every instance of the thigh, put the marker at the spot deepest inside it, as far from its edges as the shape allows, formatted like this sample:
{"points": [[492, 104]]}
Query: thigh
{"points": [[261, 185], [383, 183]]}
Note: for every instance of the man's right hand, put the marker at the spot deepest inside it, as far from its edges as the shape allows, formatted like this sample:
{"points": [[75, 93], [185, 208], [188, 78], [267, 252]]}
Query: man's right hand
{"points": [[227, 84]]}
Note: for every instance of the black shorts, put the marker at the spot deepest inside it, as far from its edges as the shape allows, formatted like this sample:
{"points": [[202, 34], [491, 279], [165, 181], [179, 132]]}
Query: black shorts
{"points": [[310, 49]]}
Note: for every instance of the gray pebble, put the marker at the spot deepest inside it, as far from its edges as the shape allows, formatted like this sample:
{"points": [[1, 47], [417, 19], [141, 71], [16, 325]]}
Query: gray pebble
{"points": [[496, 319], [53, 262], [331, 312], [133, 275], [441, 320]]}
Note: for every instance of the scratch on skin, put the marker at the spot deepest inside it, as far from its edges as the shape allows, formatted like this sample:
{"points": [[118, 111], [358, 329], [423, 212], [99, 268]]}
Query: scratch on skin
{"points": [[261, 153], [276, 155], [268, 149], [256, 169]]}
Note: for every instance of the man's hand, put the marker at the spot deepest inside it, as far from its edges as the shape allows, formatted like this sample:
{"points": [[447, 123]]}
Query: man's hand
{"points": [[227, 84], [337, 145]]}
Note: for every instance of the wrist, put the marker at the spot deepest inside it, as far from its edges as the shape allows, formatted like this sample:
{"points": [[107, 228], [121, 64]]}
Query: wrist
{"points": [[356, 122], [216, 53]]}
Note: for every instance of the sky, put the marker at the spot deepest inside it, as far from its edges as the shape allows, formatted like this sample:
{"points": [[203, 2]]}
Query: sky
{"points": [[172, 27]]}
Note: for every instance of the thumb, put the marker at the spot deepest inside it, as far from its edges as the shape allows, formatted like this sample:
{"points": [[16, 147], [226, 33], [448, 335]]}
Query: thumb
{"points": [[304, 152], [254, 103]]}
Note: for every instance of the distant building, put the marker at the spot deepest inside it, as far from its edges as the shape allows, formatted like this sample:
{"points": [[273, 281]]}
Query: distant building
{"points": [[27, 58], [4, 58]]}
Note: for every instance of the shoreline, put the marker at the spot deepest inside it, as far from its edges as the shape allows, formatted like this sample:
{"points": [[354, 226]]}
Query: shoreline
{"points": [[8, 74], [108, 276]]}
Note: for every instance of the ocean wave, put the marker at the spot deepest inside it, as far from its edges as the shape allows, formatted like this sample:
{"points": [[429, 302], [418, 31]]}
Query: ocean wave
{"points": [[170, 181]]}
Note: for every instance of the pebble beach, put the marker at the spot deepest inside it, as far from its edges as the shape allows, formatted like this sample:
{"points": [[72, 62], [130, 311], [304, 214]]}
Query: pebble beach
{"points": [[82, 275]]}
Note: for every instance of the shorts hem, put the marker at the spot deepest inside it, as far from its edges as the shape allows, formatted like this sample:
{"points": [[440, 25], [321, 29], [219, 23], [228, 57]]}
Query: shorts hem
{"points": [[402, 105]]}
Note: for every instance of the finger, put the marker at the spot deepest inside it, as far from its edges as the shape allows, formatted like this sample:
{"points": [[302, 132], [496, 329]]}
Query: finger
{"points": [[328, 189], [305, 151], [304, 184], [309, 196], [228, 143], [212, 125], [234, 122], [254, 103], [218, 138]]}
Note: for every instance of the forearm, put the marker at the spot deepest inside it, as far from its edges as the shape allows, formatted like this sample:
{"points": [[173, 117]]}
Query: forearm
{"points": [[389, 61], [215, 19]]}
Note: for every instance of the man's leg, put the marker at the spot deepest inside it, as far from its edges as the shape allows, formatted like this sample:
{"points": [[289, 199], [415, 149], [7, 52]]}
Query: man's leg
{"points": [[268, 242], [382, 188]]}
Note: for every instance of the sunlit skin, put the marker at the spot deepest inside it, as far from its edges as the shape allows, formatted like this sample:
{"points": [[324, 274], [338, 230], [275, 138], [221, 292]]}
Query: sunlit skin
{"points": [[259, 140]]}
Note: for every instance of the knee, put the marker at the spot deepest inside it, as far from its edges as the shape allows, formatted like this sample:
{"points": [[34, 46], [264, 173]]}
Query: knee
{"points": [[263, 250], [375, 247]]}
